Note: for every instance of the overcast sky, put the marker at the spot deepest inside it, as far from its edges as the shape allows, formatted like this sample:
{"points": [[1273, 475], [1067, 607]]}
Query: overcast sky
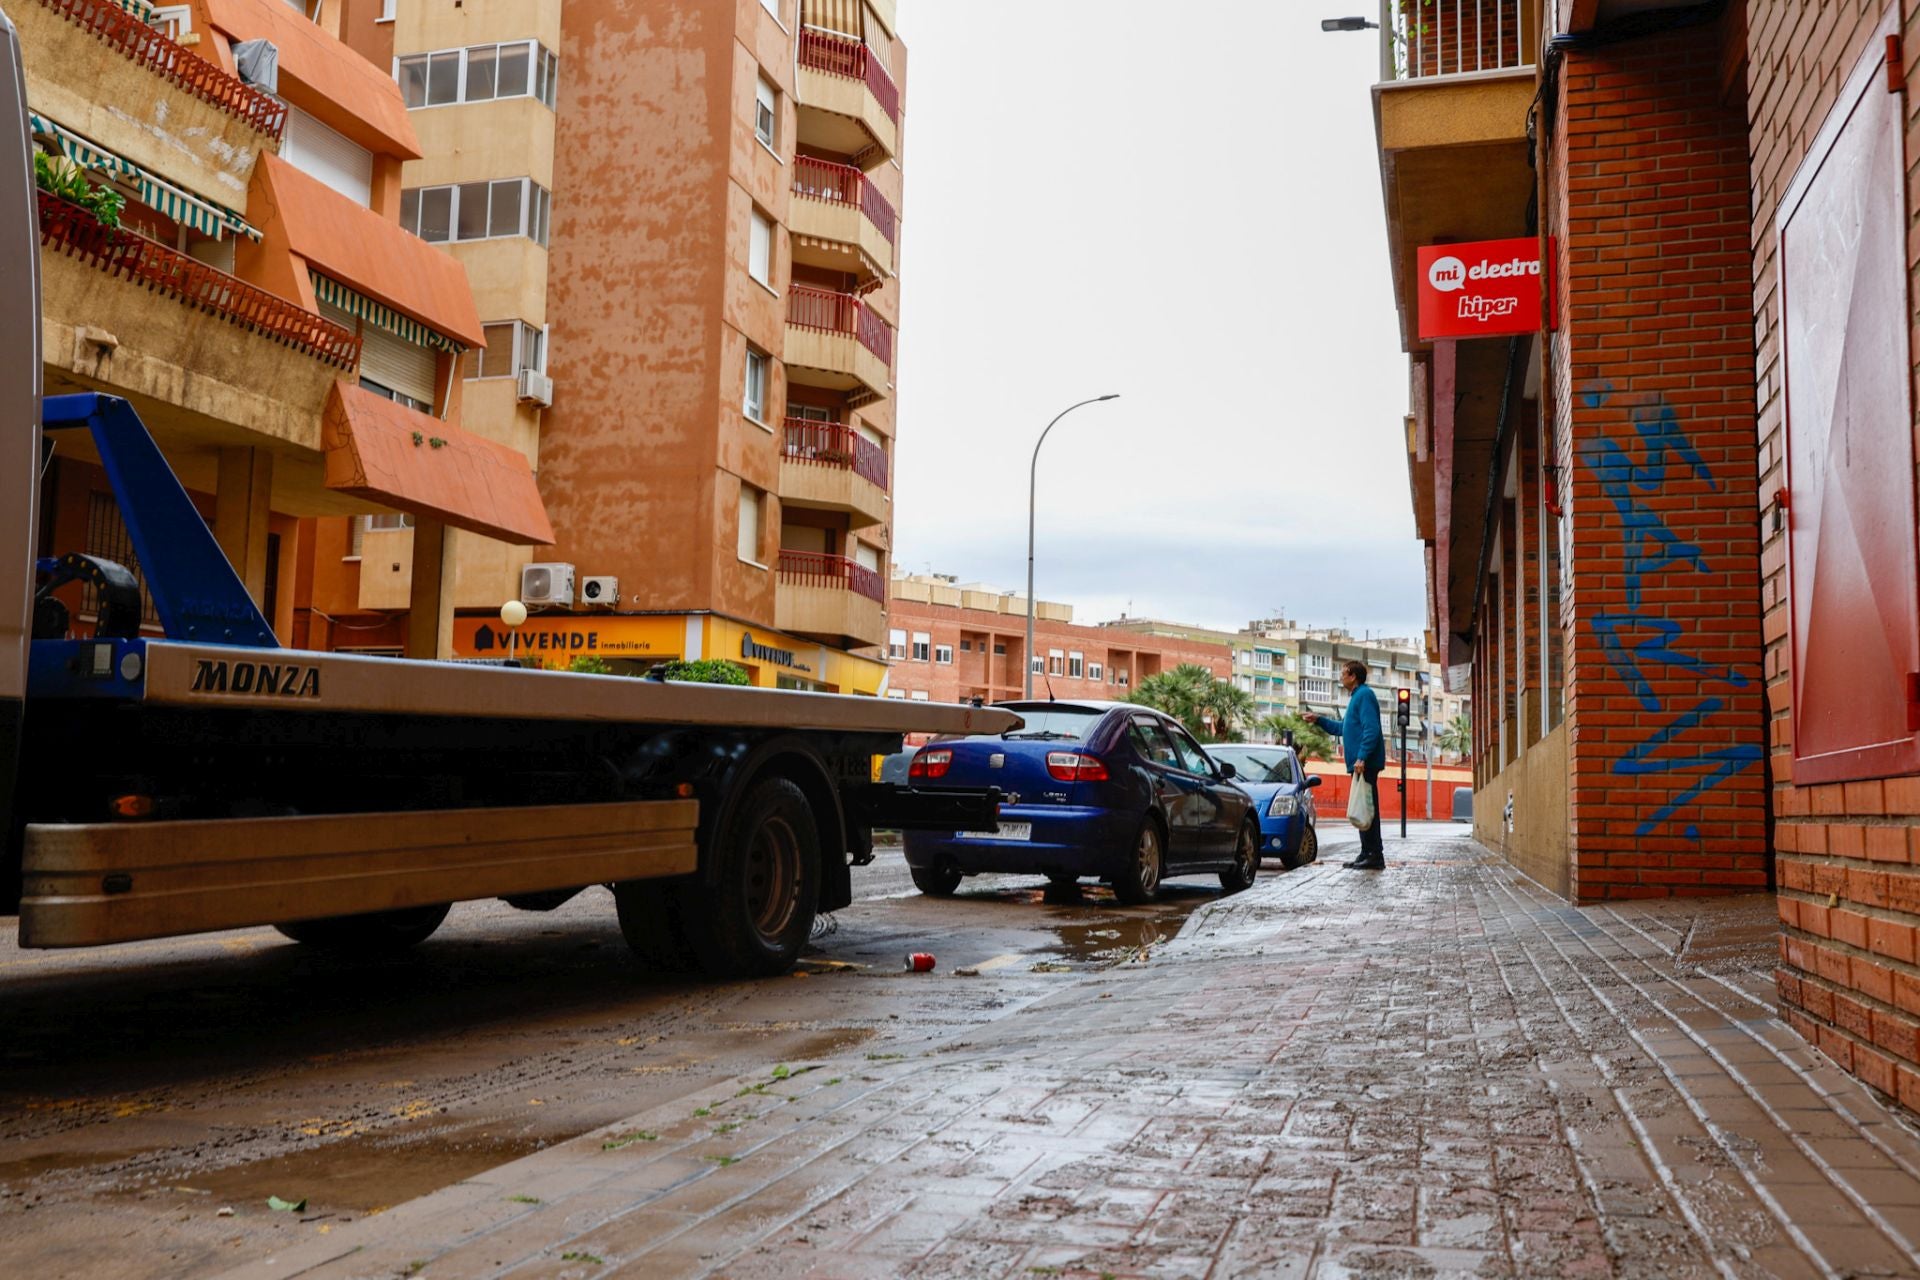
{"points": [[1179, 203]]}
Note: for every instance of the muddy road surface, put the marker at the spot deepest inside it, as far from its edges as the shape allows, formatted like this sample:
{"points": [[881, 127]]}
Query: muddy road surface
{"points": [[153, 1096]]}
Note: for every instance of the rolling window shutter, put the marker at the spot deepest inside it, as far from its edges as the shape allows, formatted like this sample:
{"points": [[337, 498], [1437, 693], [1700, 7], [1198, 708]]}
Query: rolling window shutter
{"points": [[319, 152], [388, 359], [1851, 562]]}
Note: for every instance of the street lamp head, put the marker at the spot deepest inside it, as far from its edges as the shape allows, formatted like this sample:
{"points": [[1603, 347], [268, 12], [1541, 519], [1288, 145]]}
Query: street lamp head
{"points": [[1114, 396], [513, 613], [1347, 24]]}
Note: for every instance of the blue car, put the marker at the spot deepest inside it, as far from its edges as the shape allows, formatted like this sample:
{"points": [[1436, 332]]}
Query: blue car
{"points": [[1107, 790], [1282, 794]]}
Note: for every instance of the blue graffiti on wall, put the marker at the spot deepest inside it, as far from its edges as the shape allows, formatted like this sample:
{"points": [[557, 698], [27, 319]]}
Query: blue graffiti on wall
{"points": [[1639, 640]]}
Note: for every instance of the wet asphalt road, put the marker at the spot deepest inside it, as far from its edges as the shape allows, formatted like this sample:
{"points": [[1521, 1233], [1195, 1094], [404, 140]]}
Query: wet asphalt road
{"points": [[147, 1089]]}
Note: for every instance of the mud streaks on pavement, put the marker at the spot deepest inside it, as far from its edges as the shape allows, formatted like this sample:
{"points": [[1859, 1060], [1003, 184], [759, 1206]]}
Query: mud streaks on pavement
{"points": [[1440, 1070]]}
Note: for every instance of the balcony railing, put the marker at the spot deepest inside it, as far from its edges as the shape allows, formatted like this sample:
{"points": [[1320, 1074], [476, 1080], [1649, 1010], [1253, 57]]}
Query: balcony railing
{"points": [[843, 184], [811, 569], [154, 51], [839, 56], [1423, 38], [840, 313], [120, 252], [830, 444]]}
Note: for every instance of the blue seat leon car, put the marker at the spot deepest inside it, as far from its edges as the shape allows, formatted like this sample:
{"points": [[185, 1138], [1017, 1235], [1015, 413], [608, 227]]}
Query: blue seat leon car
{"points": [[1107, 790], [1282, 792]]}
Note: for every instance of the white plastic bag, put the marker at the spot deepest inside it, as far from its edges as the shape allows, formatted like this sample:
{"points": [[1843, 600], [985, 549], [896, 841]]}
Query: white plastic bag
{"points": [[1360, 805]]}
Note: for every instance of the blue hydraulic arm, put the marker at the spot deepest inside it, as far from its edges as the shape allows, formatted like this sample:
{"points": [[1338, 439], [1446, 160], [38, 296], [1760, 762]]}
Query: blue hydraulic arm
{"points": [[198, 595]]}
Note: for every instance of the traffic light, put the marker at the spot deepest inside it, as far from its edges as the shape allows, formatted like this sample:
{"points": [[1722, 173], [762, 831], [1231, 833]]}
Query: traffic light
{"points": [[1404, 711]]}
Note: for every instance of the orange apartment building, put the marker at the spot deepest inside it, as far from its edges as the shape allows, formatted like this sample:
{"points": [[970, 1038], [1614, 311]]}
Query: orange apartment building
{"points": [[952, 643], [258, 305], [1670, 514], [694, 288]]}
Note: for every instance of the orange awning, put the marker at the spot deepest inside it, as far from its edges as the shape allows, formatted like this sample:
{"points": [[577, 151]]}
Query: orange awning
{"points": [[323, 76], [362, 250], [385, 452]]}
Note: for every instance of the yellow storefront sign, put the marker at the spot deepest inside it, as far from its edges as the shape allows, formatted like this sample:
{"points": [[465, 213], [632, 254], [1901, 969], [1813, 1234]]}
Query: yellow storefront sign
{"points": [[772, 659]]}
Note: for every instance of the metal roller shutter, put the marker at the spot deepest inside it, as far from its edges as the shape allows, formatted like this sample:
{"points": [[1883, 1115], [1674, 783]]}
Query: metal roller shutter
{"points": [[319, 152], [388, 359]]}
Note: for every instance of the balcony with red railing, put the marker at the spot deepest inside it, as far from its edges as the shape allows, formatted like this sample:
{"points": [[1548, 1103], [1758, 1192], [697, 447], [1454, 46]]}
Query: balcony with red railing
{"points": [[832, 467], [835, 340], [72, 232], [829, 598], [840, 221], [150, 48], [841, 77]]}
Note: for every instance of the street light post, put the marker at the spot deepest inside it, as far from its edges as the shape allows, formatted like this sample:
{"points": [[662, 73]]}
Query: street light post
{"points": [[1033, 482]]}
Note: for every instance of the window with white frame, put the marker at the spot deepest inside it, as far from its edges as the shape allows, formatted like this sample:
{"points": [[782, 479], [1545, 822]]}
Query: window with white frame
{"points": [[362, 524], [919, 695], [760, 249], [766, 113], [754, 404], [897, 693], [896, 644], [750, 503], [386, 11], [512, 345], [922, 646], [1056, 663], [1262, 660], [1122, 679], [319, 151], [479, 73], [943, 655], [1094, 672], [478, 211], [1037, 665], [1076, 664]]}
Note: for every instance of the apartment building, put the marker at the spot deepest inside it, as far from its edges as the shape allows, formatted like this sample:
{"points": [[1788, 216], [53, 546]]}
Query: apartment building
{"points": [[257, 303], [952, 642], [680, 224], [1260, 663], [1665, 470]]}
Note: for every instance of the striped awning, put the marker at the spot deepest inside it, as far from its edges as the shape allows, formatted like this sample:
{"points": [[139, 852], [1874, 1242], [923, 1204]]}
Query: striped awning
{"points": [[842, 17], [380, 316], [207, 218]]}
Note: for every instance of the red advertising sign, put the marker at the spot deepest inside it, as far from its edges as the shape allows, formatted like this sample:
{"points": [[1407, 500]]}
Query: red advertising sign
{"points": [[1487, 289]]}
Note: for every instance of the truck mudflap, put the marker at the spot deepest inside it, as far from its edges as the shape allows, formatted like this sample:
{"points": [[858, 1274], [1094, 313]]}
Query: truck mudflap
{"points": [[893, 807]]}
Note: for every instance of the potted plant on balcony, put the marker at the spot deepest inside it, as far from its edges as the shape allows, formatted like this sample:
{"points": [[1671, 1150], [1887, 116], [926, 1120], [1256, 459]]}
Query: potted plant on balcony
{"points": [[64, 180]]}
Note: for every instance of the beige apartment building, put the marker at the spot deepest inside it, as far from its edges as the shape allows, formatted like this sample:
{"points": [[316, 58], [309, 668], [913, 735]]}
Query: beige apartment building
{"points": [[679, 222]]}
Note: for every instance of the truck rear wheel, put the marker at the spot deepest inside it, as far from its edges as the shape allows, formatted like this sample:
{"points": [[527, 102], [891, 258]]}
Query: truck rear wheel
{"points": [[375, 933], [757, 914]]}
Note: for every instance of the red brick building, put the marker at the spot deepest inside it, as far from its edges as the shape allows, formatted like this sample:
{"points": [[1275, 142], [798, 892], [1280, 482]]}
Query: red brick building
{"points": [[1671, 523], [948, 643]]}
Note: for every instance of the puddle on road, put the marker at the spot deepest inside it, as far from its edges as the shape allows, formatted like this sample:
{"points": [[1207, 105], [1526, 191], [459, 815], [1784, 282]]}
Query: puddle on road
{"points": [[358, 1175], [1092, 929]]}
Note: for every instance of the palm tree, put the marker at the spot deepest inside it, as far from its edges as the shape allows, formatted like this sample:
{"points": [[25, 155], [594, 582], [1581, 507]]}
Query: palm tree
{"points": [[1456, 737], [1182, 693], [1227, 708], [1310, 742]]}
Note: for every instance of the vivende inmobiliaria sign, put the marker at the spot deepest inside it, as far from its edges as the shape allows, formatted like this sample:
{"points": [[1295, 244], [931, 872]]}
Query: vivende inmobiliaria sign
{"points": [[1488, 289]]}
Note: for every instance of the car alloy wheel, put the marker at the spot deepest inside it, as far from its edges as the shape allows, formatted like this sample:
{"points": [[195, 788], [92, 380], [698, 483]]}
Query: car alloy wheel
{"points": [[1246, 862], [1140, 881]]}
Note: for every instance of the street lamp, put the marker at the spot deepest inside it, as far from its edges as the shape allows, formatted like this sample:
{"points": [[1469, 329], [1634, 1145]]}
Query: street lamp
{"points": [[1033, 474], [1348, 24], [513, 616]]}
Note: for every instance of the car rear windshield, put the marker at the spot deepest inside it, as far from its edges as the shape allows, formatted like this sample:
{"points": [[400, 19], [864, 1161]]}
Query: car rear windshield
{"points": [[1256, 766], [1053, 724]]}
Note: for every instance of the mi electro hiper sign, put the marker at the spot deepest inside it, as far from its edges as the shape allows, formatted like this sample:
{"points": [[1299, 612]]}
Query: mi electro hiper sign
{"points": [[1489, 289]]}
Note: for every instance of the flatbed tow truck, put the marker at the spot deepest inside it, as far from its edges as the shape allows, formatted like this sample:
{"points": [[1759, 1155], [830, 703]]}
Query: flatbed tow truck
{"points": [[212, 779]]}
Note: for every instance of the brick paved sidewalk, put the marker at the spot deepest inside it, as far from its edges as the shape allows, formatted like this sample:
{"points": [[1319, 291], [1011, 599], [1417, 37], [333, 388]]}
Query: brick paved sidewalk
{"points": [[1438, 1070]]}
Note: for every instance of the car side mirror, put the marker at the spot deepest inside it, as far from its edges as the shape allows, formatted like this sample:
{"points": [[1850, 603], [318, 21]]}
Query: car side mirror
{"points": [[1313, 780], [1228, 772]]}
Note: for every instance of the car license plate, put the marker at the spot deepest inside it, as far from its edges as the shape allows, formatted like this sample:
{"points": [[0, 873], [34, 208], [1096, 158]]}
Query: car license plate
{"points": [[1007, 831]]}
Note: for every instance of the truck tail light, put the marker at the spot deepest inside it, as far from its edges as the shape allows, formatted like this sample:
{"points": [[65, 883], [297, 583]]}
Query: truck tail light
{"points": [[930, 764], [1074, 766]]}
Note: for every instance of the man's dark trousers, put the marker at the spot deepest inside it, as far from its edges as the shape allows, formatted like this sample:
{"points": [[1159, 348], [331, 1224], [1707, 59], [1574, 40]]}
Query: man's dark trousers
{"points": [[1371, 848]]}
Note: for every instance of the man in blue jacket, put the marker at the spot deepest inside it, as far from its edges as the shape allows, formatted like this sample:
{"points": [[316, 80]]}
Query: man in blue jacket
{"points": [[1366, 752]]}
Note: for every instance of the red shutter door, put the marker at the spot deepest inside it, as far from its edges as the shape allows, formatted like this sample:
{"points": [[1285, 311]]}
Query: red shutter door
{"points": [[1854, 596]]}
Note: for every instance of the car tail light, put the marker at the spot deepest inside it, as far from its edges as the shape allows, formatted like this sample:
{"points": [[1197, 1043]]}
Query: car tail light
{"points": [[1073, 766], [930, 764]]}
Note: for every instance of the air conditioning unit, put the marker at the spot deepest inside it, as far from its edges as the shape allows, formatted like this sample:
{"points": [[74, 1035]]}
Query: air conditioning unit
{"points": [[546, 584], [535, 388], [604, 592]]}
